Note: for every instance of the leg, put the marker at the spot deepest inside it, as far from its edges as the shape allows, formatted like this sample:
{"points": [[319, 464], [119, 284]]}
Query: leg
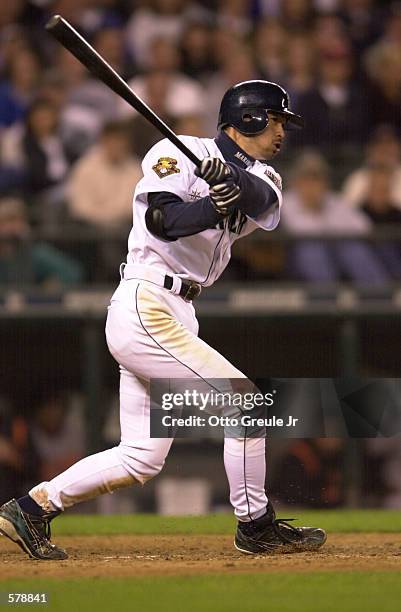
{"points": [[151, 332], [245, 463], [137, 458]]}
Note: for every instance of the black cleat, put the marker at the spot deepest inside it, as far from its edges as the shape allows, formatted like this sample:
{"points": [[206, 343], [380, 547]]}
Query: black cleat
{"points": [[268, 535], [30, 532]]}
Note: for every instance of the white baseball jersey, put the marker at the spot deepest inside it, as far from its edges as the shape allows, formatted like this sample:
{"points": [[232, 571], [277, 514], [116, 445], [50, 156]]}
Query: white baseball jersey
{"points": [[201, 257]]}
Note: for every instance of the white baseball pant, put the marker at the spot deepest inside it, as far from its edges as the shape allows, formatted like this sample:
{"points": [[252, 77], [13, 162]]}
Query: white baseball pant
{"points": [[152, 333]]}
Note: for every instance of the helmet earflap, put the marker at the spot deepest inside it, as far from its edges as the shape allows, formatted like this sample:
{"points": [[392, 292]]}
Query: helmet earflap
{"points": [[253, 121]]}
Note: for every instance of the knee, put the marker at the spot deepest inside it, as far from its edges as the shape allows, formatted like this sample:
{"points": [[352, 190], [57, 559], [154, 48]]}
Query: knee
{"points": [[141, 463]]}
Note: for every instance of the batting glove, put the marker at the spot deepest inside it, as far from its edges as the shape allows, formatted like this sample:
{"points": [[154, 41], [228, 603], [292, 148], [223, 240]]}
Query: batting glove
{"points": [[213, 170], [224, 196]]}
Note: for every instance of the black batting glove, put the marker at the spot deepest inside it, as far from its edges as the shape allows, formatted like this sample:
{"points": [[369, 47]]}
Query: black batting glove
{"points": [[213, 170], [224, 196]]}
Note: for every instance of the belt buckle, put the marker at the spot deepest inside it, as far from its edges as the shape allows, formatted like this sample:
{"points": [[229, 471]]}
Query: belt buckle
{"points": [[192, 292]]}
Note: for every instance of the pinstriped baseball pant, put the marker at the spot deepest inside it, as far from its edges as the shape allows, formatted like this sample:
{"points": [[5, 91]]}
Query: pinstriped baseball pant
{"points": [[153, 334]]}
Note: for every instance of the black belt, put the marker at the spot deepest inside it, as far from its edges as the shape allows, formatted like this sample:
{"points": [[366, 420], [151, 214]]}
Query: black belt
{"points": [[189, 289]]}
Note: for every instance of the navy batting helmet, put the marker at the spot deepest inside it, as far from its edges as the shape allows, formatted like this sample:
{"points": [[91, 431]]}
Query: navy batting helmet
{"points": [[245, 106]]}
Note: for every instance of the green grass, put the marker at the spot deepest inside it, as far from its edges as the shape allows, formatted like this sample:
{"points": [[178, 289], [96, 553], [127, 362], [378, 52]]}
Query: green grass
{"points": [[334, 521], [318, 592], [333, 591]]}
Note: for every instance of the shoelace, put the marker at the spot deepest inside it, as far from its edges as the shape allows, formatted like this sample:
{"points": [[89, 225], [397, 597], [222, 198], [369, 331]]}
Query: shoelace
{"points": [[277, 523], [42, 527]]}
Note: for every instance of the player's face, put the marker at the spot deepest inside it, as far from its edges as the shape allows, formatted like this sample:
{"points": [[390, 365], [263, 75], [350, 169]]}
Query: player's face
{"points": [[269, 142], [265, 145]]}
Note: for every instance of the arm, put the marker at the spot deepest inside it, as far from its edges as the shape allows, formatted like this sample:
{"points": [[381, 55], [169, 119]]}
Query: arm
{"points": [[256, 195], [232, 186], [169, 217]]}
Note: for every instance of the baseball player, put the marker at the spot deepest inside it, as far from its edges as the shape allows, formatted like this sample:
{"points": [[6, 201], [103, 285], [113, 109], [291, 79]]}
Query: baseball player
{"points": [[185, 221]]}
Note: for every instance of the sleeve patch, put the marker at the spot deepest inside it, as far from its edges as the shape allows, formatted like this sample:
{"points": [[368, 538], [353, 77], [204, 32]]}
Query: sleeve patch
{"points": [[275, 177], [166, 166]]}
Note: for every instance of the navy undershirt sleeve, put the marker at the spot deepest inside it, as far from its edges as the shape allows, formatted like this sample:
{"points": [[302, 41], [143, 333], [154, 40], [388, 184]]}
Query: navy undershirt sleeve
{"points": [[188, 218], [184, 218], [256, 195]]}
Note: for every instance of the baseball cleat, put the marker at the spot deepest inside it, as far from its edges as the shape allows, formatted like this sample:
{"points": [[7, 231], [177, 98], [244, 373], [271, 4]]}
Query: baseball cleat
{"points": [[268, 535], [31, 533]]}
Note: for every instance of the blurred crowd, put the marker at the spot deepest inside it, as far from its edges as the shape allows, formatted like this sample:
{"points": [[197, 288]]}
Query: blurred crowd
{"points": [[47, 435], [38, 440], [70, 150]]}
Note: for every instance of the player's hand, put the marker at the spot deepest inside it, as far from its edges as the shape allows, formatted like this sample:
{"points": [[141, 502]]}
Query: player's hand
{"points": [[213, 170], [224, 196]]}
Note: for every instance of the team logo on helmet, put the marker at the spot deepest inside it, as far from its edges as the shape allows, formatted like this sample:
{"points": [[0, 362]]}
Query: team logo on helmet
{"points": [[166, 166]]}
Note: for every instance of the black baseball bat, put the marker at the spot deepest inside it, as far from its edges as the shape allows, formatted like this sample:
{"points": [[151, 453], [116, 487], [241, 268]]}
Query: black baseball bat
{"points": [[94, 62]]}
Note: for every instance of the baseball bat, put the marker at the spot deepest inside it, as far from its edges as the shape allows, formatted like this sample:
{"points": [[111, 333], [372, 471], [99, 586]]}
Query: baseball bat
{"points": [[94, 62]]}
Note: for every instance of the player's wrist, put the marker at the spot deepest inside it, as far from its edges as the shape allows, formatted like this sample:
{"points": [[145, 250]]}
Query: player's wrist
{"points": [[224, 197]]}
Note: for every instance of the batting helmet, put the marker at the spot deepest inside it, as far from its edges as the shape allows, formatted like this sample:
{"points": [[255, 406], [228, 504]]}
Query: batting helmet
{"points": [[245, 106]]}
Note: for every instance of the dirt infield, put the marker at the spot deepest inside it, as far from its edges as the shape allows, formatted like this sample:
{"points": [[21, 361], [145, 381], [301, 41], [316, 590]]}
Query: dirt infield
{"points": [[142, 555]]}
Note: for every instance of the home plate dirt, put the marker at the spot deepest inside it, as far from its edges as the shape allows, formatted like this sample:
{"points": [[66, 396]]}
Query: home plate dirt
{"points": [[193, 554]]}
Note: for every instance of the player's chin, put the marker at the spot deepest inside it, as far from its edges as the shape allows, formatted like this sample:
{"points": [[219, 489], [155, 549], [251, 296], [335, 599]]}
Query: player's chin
{"points": [[271, 153], [276, 150]]}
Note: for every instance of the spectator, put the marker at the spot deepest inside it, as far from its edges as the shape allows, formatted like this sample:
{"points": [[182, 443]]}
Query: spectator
{"points": [[297, 15], [19, 88], [191, 124], [73, 10], [109, 42], [10, 12], [377, 203], [102, 182], [328, 33], [237, 67], [18, 461], [89, 104], [300, 65], [312, 473], [234, 16], [37, 148], [362, 20], [379, 207], [24, 262], [57, 434], [78, 125], [270, 42], [158, 18], [384, 465], [182, 95], [12, 177], [225, 45], [392, 24], [383, 65], [334, 110], [144, 135], [103, 14], [383, 147], [311, 212], [12, 41], [197, 59]]}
